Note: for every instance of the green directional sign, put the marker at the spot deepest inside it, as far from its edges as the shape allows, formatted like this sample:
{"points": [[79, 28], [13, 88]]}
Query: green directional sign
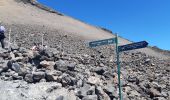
{"points": [[136, 45], [102, 42]]}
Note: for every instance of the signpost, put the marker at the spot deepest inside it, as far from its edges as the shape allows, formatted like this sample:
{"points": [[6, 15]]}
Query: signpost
{"points": [[127, 47], [9, 39], [42, 40], [118, 67], [102, 42]]}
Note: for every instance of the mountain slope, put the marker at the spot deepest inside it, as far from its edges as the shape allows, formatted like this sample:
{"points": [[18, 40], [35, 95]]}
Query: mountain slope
{"points": [[68, 69], [27, 17], [20, 13]]}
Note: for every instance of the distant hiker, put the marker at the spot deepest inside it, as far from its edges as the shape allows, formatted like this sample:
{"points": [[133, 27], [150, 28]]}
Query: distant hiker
{"points": [[2, 35]]}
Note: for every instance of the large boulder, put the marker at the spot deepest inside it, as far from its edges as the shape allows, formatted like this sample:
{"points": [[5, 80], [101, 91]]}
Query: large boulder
{"points": [[18, 59], [44, 64], [29, 78], [12, 55], [66, 80], [5, 56], [61, 65], [37, 76], [3, 66], [154, 93], [99, 70], [23, 50], [35, 56], [133, 79], [16, 67], [71, 66], [85, 90], [14, 47], [79, 83], [15, 76], [110, 91], [101, 94], [90, 97], [93, 80], [91, 91], [52, 75], [60, 98], [23, 72]]}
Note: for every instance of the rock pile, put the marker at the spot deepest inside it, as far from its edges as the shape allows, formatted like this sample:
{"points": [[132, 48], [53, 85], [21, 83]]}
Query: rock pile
{"points": [[86, 76]]}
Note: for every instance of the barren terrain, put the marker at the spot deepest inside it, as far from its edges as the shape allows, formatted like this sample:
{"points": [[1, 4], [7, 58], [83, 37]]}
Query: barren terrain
{"points": [[69, 69]]}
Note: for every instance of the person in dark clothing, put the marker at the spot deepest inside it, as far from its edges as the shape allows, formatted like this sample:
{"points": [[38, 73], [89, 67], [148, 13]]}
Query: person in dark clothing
{"points": [[2, 35]]}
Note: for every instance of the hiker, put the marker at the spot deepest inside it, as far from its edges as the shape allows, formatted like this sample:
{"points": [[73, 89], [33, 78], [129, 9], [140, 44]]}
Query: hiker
{"points": [[2, 35]]}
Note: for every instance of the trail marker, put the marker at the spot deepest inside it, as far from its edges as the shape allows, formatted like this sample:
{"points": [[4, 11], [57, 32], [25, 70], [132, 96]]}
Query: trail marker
{"points": [[102, 42], [133, 46], [9, 39], [118, 68], [42, 40], [127, 47]]}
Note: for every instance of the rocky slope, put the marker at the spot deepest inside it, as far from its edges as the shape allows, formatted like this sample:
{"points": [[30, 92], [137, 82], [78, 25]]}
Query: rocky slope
{"points": [[52, 74], [69, 69]]}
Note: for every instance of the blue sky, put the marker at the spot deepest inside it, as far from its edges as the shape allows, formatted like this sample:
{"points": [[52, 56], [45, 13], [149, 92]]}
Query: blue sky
{"points": [[135, 20]]}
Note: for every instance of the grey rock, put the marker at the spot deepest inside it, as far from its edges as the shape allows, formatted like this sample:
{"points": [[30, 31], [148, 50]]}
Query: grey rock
{"points": [[134, 93], [83, 91], [3, 51], [154, 93], [60, 98], [45, 64], [5, 55], [79, 83], [17, 77], [3, 66], [14, 47], [47, 52], [23, 72], [22, 50], [133, 79], [43, 80], [16, 67], [91, 91], [9, 63], [101, 94], [18, 59], [61, 65], [12, 55], [109, 89], [148, 61], [99, 70], [71, 66], [93, 80], [108, 75], [90, 97], [36, 59], [160, 98], [54, 87], [66, 80], [37, 76], [29, 78], [52, 75]]}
